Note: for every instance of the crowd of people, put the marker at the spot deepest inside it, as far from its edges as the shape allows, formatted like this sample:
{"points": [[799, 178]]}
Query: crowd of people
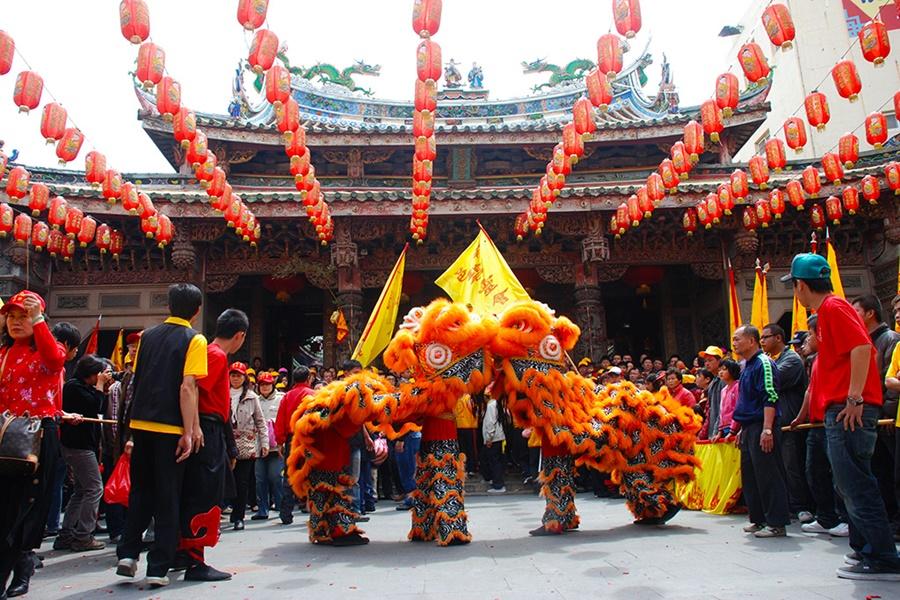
{"points": [[206, 439]]}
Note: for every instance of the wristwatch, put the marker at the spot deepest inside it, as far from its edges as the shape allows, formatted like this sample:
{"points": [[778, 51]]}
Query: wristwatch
{"points": [[767, 431], [855, 401]]}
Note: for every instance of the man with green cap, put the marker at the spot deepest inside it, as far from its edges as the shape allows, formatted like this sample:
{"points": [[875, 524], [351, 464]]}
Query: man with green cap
{"points": [[848, 400]]}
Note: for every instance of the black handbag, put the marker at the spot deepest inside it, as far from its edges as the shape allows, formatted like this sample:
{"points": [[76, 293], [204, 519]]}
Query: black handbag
{"points": [[20, 441]]}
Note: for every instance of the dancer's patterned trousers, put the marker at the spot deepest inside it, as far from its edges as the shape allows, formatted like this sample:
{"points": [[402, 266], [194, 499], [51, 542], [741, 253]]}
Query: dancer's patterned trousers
{"points": [[330, 506], [558, 489], [438, 511]]}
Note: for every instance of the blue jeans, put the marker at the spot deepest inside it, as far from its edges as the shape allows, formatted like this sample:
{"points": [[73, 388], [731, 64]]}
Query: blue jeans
{"points": [[268, 478], [850, 453], [406, 461], [355, 463]]}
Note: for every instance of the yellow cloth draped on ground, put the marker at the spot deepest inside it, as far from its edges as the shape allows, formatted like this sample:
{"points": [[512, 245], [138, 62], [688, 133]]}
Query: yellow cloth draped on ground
{"points": [[717, 485]]}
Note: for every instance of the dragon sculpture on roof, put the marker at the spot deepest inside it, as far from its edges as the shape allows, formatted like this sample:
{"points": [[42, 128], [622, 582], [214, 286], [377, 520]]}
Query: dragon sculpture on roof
{"points": [[325, 73], [572, 73]]}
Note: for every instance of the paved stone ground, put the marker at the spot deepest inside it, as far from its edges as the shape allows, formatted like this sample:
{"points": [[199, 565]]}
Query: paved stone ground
{"points": [[695, 556]]}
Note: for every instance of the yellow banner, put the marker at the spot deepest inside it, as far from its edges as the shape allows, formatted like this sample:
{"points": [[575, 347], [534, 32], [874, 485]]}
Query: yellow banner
{"points": [[481, 278], [118, 353], [380, 328], [759, 313], [835, 274], [798, 317], [717, 486]]}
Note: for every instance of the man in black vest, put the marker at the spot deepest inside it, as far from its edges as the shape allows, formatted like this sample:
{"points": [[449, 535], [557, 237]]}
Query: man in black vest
{"points": [[165, 429]]}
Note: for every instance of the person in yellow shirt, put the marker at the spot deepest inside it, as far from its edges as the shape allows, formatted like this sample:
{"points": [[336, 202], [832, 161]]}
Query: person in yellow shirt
{"points": [[467, 431]]}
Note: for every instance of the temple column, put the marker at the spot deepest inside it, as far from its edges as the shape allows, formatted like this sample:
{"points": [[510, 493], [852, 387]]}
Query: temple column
{"points": [[256, 335], [345, 258], [590, 315]]}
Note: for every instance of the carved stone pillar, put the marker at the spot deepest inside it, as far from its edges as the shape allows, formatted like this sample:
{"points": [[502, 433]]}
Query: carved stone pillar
{"points": [[351, 303], [257, 335], [345, 258], [590, 315]]}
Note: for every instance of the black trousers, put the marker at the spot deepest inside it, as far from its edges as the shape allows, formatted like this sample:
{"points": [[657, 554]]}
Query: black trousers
{"points": [[793, 455], [204, 491], [468, 441], [243, 481], [829, 507], [883, 469], [156, 481], [495, 464], [765, 490]]}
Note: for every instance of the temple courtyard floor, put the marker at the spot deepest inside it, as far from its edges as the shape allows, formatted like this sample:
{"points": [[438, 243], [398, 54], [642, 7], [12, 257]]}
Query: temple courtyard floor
{"points": [[696, 556]]}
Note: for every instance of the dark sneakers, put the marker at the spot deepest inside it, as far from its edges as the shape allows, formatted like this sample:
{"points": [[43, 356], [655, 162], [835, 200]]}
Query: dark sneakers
{"points": [[354, 539], [204, 572], [865, 572]]}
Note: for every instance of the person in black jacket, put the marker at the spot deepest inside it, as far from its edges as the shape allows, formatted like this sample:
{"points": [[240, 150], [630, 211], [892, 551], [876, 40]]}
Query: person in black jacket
{"points": [[80, 447]]}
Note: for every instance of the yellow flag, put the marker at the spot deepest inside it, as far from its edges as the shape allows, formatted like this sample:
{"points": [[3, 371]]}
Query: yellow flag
{"points": [[118, 353], [481, 278], [835, 275], [759, 313], [734, 305], [380, 327], [798, 318]]}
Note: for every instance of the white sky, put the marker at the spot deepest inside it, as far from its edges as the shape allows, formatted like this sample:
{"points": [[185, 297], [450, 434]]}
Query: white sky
{"points": [[78, 49]]}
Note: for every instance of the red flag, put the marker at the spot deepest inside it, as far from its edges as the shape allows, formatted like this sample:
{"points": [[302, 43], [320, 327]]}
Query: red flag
{"points": [[91, 347]]}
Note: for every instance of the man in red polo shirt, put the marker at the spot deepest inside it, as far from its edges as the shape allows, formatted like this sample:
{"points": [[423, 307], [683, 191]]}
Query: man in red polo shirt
{"points": [[205, 471], [848, 398]]}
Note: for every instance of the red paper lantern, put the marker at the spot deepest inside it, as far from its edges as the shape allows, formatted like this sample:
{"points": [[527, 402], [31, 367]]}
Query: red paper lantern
{"points": [[306, 182], [112, 185], [149, 226], [7, 52], [40, 235], [7, 215], [897, 103], [134, 20], [892, 176], [287, 115], [428, 61], [560, 162], [871, 189], [817, 112], [55, 242], [164, 231], [216, 185], [831, 164], [739, 186], [779, 25], [669, 175], [103, 238], [644, 202], [763, 212], [129, 196], [609, 55], [197, 149], [426, 148], [69, 145], [57, 212], [95, 168], [796, 195], [703, 215], [295, 142], [583, 117], [689, 221], [27, 93], [622, 219], [184, 127], [426, 19], [876, 130], [151, 64], [811, 182], [713, 208], [680, 160], [251, 14], [221, 202], [775, 155], [278, 85], [521, 227], [53, 122], [39, 198], [233, 211], [846, 80], [599, 89], [168, 98], [817, 217], [635, 215], [795, 133], [656, 189], [17, 183], [300, 166], [693, 140], [627, 15], [833, 209], [263, 51], [116, 244], [87, 231], [874, 42], [776, 203], [423, 123], [205, 172], [426, 95], [145, 206], [753, 62], [727, 93], [848, 150], [850, 199], [711, 117], [573, 144], [22, 229], [726, 198], [750, 218], [74, 217], [759, 171]]}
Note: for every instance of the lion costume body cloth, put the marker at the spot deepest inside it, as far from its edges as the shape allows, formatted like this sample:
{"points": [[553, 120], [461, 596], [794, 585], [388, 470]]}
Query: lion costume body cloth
{"points": [[645, 443]]}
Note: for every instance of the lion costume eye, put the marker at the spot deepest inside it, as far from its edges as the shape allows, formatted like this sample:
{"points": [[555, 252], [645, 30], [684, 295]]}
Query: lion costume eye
{"points": [[523, 326], [550, 348], [438, 356]]}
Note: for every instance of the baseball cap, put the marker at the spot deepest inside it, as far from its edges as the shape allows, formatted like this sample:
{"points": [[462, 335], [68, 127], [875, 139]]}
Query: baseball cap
{"points": [[238, 367], [18, 301], [808, 266], [265, 378], [712, 351], [615, 371], [798, 338], [133, 338], [585, 362]]}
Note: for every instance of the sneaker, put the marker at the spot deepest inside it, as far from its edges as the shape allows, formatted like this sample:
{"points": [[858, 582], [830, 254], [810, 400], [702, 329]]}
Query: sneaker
{"points": [[753, 528], [853, 558], [204, 572], [354, 539], [157, 582], [259, 518], [497, 490], [126, 567], [227, 510], [865, 572], [239, 526], [813, 527], [89, 545], [404, 505], [840, 530], [771, 532], [804, 516]]}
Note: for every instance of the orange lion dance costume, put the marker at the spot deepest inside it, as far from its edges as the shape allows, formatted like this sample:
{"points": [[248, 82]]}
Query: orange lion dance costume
{"points": [[645, 443]]}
